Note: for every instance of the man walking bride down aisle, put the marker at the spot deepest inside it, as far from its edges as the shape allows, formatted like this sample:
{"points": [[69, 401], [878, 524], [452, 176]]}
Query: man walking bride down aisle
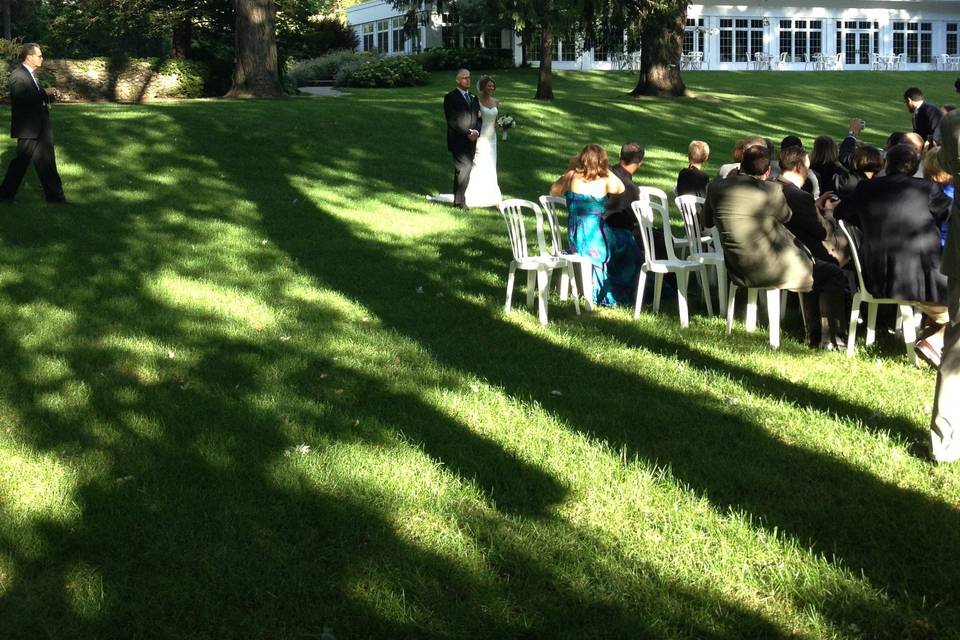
{"points": [[472, 140]]}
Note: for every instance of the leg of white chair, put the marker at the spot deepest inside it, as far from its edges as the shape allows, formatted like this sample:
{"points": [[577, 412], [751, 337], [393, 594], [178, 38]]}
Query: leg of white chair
{"points": [[531, 287], [586, 282], [774, 298], [909, 332], [704, 278], [722, 286], [731, 300], [852, 329], [682, 279], [511, 273], [543, 291], [641, 289], [803, 310], [571, 277], [751, 309], [783, 303], [564, 284], [871, 323], [657, 289]]}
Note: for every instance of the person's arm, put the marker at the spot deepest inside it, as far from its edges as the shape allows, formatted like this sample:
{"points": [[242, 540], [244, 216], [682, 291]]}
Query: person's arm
{"points": [[22, 90], [849, 144], [562, 184], [456, 118], [949, 154], [939, 204]]}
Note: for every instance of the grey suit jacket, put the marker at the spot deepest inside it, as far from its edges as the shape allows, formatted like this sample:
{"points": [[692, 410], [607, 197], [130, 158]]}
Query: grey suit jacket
{"points": [[950, 160]]}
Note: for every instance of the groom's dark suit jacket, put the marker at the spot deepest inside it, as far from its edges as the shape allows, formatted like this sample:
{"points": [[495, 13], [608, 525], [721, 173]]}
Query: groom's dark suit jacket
{"points": [[926, 122], [461, 117], [29, 107]]}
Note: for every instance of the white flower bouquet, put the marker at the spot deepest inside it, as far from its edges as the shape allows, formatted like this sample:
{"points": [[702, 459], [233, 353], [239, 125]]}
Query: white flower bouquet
{"points": [[505, 123]]}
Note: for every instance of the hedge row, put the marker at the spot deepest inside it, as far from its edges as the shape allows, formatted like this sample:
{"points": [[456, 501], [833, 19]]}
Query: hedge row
{"points": [[131, 80]]}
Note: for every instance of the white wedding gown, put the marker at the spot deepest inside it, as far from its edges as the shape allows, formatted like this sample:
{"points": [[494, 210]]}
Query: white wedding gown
{"points": [[483, 189]]}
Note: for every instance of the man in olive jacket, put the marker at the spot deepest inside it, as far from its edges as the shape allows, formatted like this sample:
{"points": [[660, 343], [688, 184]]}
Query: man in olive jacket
{"points": [[30, 124], [945, 428], [750, 214]]}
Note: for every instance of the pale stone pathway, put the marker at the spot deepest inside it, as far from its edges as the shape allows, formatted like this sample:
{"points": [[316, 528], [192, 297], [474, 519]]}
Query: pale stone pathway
{"points": [[322, 92]]}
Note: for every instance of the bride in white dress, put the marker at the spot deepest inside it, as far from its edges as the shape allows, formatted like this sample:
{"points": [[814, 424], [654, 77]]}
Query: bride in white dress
{"points": [[482, 189]]}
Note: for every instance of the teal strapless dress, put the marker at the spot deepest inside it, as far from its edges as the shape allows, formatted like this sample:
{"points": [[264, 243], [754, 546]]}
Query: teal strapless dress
{"points": [[614, 252]]}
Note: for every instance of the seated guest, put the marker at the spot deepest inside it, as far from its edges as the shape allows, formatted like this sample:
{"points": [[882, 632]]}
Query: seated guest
{"points": [[812, 185], [693, 181], [935, 173], [619, 212], [825, 162], [613, 252], [867, 162], [750, 213], [811, 221], [899, 217], [737, 154]]}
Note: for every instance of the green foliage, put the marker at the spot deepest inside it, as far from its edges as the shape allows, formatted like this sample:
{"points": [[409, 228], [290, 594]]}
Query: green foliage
{"points": [[393, 71], [10, 49], [192, 76], [475, 59], [313, 39], [326, 67]]}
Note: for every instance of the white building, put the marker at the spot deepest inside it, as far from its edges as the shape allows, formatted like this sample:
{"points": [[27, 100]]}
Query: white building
{"points": [[728, 36]]}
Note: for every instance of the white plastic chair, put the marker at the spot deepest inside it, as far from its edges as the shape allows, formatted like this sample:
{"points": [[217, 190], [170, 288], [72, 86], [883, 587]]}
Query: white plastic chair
{"points": [[773, 298], [781, 62], [558, 249], [539, 266], [833, 63], [659, 197], [645, 210], [699, 252], [907, 322]]}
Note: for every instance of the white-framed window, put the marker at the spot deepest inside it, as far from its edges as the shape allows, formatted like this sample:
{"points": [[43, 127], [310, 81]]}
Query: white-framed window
{"points": [[915, 39], [802, 37], [740, 38], [693, 36], [492, 39], [857, 39], [568, 48], [397, 36], [953, 45], [383, 36], [449, 31], [367, 36]]}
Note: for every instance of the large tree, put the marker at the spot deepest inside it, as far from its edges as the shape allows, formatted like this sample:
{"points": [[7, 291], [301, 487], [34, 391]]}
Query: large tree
{"points": [[256, 73], [661, 43]]}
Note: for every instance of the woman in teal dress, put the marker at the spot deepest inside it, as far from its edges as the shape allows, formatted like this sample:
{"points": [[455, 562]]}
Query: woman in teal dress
{"points": [[614, 253]]}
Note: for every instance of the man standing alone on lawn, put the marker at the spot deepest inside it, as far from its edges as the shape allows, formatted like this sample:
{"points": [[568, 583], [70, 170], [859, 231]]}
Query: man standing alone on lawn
{"points": [[945, 428], [30, 124], [462, 110]]}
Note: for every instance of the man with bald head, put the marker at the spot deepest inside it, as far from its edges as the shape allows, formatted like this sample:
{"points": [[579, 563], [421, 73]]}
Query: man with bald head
{"points": [[462, 111]]}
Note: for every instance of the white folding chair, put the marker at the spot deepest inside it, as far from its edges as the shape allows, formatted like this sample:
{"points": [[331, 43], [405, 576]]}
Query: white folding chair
{"points": [[558, 249], [539, 266], [645, 211], [907, 323], [689, 207], [773, 299], [658, 197]]}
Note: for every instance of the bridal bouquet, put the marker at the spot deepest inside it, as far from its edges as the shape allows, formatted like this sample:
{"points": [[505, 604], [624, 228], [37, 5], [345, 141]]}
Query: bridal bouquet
{"points": [[505, 123]]}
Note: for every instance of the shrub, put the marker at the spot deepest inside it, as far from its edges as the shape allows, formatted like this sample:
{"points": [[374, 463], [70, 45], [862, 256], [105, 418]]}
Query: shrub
{"points": [[474, 59], [318, 38], [396, 71], [307, 72]]}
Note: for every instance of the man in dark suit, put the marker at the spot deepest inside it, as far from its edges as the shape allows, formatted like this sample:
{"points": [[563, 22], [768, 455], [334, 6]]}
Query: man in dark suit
{"points": [[926, 115], [462, 110], [30, 124]]}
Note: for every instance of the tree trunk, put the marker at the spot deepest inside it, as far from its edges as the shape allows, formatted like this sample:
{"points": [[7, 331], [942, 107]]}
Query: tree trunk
{"points": [[6, 20], [661, 44], [182, 38], [256, 73], [545, 78]]}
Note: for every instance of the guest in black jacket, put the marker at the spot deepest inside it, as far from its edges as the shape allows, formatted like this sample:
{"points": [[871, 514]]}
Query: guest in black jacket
{"points": [[30, 124], [900, 217], [692, 180], [926, 115]]}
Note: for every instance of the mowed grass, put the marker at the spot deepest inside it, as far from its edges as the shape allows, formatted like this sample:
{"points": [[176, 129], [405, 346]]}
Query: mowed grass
{"points": [[254, 385]]}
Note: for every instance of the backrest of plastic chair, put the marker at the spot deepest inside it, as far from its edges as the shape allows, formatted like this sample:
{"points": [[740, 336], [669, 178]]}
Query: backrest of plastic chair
{"points": [[658, 199], [549, 205], [854, 256], [688, 206], [513, 213], [646, 212]]}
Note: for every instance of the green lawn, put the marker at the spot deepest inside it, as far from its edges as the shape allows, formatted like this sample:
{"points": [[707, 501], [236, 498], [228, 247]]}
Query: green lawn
{"points": [[254, 385]]}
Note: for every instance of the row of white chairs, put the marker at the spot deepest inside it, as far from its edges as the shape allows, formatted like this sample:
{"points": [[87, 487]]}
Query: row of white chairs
{"points": [[696, 252]]}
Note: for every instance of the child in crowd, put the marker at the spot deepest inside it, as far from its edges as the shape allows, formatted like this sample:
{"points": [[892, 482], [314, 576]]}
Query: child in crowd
{"points": [[692, 180]]}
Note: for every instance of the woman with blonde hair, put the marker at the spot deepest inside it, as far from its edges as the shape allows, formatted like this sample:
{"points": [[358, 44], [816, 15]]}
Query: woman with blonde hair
{"points": [[614, 252]]}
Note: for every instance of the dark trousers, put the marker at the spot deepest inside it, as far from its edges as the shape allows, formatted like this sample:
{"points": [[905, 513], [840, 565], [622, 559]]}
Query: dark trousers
{"points": [[826, 302], [40, 152], [462, 165]]}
